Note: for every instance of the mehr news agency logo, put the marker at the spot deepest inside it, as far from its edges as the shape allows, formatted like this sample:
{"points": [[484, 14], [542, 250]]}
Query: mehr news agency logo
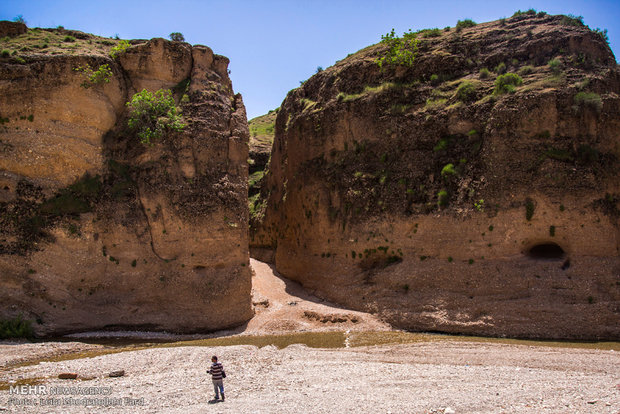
{"points": [[43, 395]]}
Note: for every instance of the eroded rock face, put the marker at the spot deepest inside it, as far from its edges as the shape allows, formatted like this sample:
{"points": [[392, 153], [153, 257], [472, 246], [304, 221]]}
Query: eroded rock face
{"points": [[8, 28], [392, 192], [101, 231]]}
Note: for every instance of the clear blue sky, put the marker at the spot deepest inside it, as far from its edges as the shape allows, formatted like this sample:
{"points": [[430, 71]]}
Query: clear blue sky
{"points": [[272, 45]]}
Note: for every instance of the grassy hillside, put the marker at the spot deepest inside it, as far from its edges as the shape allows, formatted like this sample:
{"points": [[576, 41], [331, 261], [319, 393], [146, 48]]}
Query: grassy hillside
{"points": [[262, 131], [38, 41]]}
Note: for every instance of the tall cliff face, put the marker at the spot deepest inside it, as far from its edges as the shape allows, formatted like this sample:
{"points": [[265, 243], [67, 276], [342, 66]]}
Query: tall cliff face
{"points": [[99, 230], [418, 193]]}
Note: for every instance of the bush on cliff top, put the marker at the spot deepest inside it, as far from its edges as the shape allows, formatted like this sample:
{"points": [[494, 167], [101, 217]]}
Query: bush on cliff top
{"points": [[177, 37], [464, 24], [152, 115], [401, 50], [119, 48]]}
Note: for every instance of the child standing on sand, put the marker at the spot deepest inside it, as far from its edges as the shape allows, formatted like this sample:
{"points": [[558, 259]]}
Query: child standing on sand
{"points": [[217, 376]]}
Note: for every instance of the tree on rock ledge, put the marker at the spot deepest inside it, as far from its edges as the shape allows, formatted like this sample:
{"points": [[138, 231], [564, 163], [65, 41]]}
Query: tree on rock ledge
{"points": [[177, 37]]}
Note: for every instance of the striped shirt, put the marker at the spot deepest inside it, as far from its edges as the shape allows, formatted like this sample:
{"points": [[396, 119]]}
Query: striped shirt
{"points": [[216, 371]]}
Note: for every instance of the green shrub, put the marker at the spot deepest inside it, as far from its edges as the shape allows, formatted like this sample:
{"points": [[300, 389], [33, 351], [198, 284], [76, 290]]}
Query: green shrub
{"points": [[177, 37], [500, 69], [441, 145], [589, 99], [19, 19], [526, 70], [484, 73], [466, 91], [555, 65], [559, 154], [603, 34], [571, 20], [430, 32], [506, 83], [432, 103], [69, 39], [94, 77], [119, 48], [152, 115], [16, 328], [401, 50], [464, 24], [73, 200], [447, 170], [442, 198], [530, 12], [502, 21], [529, 209], [6, 53], [552, 231], [434, 79]]}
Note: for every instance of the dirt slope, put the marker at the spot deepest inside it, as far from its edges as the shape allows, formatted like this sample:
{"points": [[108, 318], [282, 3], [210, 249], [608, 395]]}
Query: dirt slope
{"points": [[283, 306]]}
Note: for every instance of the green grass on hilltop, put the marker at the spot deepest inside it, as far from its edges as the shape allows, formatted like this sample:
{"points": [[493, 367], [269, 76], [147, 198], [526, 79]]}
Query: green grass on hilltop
{"points": [[38, 41], [262, 129]]}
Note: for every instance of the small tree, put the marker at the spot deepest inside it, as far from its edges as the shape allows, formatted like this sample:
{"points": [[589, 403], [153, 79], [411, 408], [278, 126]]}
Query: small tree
{"points": [[401, 50], [19, 19], [177, 37], [152, 115], [119, 48]]}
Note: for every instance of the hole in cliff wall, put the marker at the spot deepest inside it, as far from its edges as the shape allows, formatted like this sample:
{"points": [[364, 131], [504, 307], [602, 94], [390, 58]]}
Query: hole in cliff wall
{"points": [[546, 251]]}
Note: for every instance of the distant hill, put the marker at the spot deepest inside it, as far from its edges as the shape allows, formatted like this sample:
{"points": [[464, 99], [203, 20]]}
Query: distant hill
{"points": [[262, 131]]}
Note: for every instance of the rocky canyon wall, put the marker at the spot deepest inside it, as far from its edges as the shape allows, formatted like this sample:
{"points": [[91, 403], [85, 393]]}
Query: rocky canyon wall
{"points": [[437, 199], [101, 231]]}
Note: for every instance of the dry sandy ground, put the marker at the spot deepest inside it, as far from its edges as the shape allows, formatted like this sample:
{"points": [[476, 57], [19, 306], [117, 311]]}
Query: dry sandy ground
{"points": [[282, 306], [427, 377]]}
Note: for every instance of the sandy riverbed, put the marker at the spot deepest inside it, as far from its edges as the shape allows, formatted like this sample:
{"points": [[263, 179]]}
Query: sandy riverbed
{"points": [[432, 376]]}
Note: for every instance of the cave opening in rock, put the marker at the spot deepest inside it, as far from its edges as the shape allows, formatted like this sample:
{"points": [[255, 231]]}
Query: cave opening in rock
{"points": [[546, 251]]}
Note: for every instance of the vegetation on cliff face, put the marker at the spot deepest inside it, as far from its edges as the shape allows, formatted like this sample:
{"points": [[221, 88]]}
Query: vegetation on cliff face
{"points": [[151, 115], [27, 220], [425, 188], [262, 132], [401, 50], [16, 328], [141, 218], [426, 78], [95, 77]]}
